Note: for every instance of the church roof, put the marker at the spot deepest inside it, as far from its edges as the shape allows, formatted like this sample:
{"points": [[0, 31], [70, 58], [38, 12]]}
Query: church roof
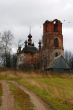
{"points": [[59, 63], [29, 49]]}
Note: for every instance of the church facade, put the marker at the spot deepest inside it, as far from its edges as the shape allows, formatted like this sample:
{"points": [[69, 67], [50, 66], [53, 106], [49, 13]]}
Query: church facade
{"points": [[50, 47]]}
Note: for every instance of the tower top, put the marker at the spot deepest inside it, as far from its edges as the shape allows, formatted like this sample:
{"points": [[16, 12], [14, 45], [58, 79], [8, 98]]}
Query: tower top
{"points": [[55, 20], [54, 26]]}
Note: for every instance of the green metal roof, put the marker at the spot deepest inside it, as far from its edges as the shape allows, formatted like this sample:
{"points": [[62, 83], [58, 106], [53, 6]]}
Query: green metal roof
{"points": [[29, 49], [59, 63]]}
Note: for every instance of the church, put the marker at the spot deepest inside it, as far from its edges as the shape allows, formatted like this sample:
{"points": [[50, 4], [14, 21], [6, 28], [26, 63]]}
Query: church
{"points": [[51, 48]]}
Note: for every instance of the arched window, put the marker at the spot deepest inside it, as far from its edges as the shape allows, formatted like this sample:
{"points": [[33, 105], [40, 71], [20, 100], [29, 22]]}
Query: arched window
{"points": [[56, 43], [55, 26], [56, 54]]}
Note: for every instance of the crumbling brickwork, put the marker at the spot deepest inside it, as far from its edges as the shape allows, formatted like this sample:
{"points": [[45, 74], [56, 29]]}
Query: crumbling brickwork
{"points": [[53, 38], [52, 46]]}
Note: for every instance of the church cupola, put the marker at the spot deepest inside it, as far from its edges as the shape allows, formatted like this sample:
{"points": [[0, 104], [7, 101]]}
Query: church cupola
{"points": [[29, 39]]}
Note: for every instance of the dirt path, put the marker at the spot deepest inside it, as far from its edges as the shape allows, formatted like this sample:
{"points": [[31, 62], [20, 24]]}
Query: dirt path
{"points": [[7, 98], [38, 103]]}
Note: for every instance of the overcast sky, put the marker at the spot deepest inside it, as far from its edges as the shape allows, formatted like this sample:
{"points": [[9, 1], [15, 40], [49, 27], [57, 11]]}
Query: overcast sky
{"points": [[19, 15]]}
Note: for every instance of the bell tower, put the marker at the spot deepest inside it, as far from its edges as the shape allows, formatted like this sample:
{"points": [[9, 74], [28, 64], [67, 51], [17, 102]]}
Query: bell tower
{"points": [[53, 38]]}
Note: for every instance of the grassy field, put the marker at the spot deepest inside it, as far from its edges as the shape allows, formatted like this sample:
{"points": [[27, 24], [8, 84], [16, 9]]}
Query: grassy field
{"points": [[56, 90], [0, 94], [22, 100]]}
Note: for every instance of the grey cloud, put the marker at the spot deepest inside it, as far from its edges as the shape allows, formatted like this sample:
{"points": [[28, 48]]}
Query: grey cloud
{"points": [[19, 15]]}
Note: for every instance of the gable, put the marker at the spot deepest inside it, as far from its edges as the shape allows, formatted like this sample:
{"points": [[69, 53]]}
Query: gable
{"points": [[59, 63]]}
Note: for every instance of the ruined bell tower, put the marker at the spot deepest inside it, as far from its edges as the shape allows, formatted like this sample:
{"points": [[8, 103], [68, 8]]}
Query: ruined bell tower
{"points": [[52, 39]]}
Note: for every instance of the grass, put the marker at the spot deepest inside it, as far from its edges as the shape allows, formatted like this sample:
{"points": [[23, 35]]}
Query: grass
{"points": [[55, 90], [22, 100], [9, 75], [0, 94]]}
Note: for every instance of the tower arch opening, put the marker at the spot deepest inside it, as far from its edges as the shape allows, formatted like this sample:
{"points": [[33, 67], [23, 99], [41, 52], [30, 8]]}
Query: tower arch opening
{"points": [[56, 54], [56, 43], [55, 26]]}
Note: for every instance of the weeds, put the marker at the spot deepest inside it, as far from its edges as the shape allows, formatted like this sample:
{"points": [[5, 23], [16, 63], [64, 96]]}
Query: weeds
{"points": [[0, 94], [56, 91], [22, 100]]}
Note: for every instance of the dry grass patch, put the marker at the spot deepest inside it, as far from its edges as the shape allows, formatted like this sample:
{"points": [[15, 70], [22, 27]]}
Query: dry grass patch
{"points": [[22, 100], [0, 94], [9, 75]]}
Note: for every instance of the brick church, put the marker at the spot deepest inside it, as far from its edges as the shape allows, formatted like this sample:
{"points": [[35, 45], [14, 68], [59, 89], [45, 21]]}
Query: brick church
{"points": [[49, 49]]}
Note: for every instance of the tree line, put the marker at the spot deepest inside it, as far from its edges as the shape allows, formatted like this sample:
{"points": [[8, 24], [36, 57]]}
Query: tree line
{"points": [[7, 59], [69, 58]]}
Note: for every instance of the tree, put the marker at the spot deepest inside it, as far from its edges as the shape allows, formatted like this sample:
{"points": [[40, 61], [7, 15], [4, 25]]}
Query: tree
{"points": [[8, 60], [6, 43], [71, 62], [14, 61], [67, 55], [69, 58]]}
